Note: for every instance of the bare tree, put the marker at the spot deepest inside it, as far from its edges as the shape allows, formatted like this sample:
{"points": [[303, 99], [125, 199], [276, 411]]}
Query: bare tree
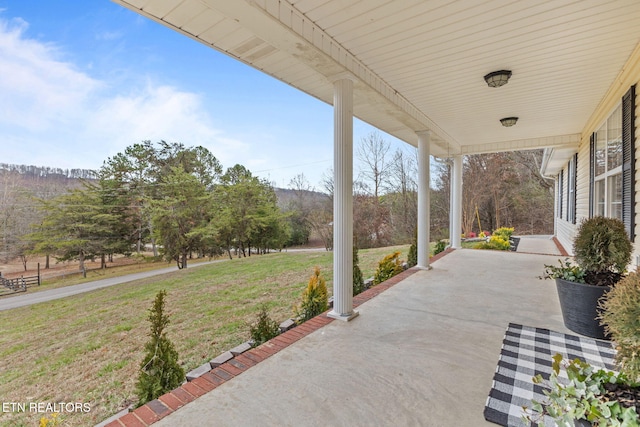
{"points": [[372, 152]]}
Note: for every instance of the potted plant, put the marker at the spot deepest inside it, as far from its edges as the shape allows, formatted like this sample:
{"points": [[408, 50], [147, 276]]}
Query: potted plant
{"points": [[602, 251], [591, 396]]}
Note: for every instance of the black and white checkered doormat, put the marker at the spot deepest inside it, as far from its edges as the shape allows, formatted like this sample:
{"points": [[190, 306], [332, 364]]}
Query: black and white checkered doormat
{"points": [[526, 352]]}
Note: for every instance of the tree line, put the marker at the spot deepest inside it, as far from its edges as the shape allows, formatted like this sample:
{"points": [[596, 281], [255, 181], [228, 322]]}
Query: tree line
{"points": [[178, 201], [174, 199]]}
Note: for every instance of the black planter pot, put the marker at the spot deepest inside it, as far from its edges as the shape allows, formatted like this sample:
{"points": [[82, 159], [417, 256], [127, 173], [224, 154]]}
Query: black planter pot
{"points": [[579, 304]]}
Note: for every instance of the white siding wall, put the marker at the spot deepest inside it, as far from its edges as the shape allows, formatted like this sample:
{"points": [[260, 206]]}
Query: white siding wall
{"points": [[565, 230]]}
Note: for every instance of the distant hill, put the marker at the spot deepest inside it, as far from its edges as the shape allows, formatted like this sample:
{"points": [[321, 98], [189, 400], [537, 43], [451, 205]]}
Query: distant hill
{"points": [[41, 175], [39, 172], [286, 196]]}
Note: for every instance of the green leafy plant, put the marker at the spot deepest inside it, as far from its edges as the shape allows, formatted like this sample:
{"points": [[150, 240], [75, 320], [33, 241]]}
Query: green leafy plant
{"points": [[159, 370], [314, 299], [602, 249], [620, 315], [566, 271], [358, 280], [412, 256], [588, 394], [388, 267], [264, 328], [440, 247]]}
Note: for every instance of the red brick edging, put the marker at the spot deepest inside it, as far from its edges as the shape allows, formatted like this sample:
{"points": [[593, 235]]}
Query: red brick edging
{"points": [[561, 248], [170, 402]]}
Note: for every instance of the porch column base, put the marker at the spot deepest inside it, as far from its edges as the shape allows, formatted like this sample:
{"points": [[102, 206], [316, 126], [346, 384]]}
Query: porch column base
{"points": [[344, 317]]}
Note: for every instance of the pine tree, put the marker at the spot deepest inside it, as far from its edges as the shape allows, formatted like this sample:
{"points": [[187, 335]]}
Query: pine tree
{"points": [[358, 281], [159, 370], [314, 298]]}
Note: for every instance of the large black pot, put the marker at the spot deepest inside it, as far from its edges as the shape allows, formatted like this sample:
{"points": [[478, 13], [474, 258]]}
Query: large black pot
{"points": [[579, 304]]}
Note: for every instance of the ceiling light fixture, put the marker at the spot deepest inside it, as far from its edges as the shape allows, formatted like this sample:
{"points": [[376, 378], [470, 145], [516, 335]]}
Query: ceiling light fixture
{"points": [[508, 121], [497, 78]]}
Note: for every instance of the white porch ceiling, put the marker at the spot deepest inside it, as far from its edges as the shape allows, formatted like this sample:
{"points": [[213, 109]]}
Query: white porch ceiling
{"points": [[419, 64]]}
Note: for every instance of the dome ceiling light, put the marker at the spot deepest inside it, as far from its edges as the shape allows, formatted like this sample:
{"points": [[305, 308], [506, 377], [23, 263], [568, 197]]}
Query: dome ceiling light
{"points": [[508, 121], [497, 78]]}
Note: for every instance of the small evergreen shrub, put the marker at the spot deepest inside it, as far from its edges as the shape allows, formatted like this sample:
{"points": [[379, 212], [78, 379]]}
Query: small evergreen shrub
{"points": [[358, 280], [440, 247], [159, 370], [388, 267], [620, 316], [314, 299], [264, 328], [412, 257], [602, 246]]}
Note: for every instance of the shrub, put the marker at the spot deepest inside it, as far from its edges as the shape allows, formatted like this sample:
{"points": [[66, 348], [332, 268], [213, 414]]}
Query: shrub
{"points": [[504, 232], [159, 370], [495, 242], [358, 280], [314, 298], [440, 247], [603, 249], [388, 267], [264, 328], [620, 316], [412, 257]]}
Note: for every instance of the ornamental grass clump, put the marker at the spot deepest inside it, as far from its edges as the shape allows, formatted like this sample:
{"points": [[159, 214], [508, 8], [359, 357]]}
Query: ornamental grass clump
{"points": [[159, 370], [620, 317], [314, 299], [388, 267], [602, 249]]}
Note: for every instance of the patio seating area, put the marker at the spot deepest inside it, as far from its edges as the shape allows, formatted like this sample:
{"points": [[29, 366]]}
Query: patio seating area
{"points": [[423, 352]]}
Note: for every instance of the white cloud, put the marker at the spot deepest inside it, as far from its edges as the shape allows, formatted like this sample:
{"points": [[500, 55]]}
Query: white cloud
{"points": [[51, 113]]}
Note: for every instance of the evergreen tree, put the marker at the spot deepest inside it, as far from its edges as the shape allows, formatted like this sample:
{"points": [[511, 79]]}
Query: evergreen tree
{"points": [[159, 370], [358, 281], [314, 298]]}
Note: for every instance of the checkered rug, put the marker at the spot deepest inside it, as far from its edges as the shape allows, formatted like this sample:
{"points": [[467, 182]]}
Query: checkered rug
{"points": [[526, 352]]}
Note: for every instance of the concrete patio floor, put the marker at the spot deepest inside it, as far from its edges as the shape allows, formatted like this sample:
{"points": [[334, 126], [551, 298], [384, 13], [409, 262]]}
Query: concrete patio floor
{"points": [[422, 353]]}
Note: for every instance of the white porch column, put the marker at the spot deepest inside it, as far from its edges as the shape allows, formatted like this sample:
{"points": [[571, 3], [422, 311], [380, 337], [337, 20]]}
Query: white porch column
{"points": [[343, 201], [456, 202], [424, 219]]}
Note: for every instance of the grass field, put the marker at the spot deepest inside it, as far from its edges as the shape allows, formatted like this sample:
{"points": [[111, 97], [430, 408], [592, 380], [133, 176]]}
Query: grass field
{"points": [[87, 348]]}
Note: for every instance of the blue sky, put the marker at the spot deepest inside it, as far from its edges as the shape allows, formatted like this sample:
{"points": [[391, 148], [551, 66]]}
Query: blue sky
{"points": [[82, 80]]}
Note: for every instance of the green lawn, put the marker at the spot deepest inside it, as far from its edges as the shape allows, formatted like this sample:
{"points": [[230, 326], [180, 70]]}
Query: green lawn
{"points": [[87, 348]]}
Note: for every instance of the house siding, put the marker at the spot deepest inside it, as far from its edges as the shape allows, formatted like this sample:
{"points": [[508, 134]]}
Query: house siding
{"points": [[565, 230]]}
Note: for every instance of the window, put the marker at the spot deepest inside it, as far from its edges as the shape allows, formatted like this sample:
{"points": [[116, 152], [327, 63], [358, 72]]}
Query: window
{"points": [[560, 193], [571, 182], [612, 172], [608, 167]]}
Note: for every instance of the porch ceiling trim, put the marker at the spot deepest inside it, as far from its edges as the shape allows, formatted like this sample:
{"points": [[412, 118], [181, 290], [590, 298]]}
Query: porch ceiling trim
{"points": [[565, 141]]}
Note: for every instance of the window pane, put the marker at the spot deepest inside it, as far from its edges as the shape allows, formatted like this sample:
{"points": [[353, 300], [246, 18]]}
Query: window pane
{"points": [[614, 139], [601, 145], [615, 196], [598, 199]]}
